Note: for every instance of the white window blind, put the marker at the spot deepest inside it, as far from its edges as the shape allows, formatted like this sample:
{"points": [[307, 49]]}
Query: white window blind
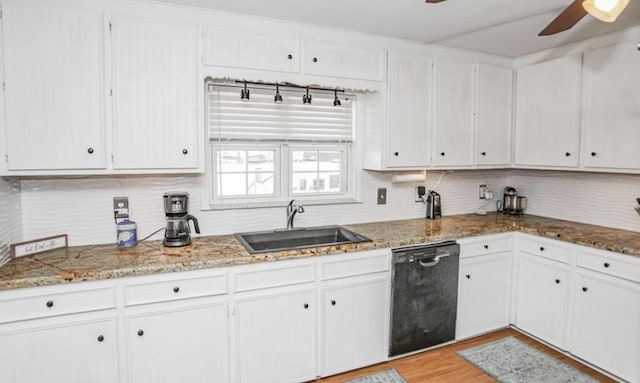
{"points": [[261, 119]]}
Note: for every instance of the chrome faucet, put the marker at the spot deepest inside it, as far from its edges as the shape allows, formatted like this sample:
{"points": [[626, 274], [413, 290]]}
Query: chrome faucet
{"points": [[292, 210]]}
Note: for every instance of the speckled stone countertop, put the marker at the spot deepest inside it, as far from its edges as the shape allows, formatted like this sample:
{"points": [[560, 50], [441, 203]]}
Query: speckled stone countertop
{"points": [[85, 263]]}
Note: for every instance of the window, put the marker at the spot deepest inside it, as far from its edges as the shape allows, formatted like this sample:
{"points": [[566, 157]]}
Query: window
{"points": [[266, 152]]}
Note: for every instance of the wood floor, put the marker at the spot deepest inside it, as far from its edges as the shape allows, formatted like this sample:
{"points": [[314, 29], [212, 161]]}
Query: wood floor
{"points": [[444, 365]]}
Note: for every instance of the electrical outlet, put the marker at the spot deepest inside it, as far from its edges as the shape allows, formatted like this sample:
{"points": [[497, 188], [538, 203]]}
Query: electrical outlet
{"points": [[420, 192], [482, 191], [382, 196], [121, 207]]}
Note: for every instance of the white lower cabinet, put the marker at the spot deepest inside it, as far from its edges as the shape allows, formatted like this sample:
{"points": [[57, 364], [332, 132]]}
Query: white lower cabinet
{"points": [[542, 307], [354, 323], [180, 343], [276, 335], [606, 324], [483, 294], [75, 348]]}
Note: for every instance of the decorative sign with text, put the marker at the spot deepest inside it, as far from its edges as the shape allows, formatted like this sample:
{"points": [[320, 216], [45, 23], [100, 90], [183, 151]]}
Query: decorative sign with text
{"points": [[38, 245]]}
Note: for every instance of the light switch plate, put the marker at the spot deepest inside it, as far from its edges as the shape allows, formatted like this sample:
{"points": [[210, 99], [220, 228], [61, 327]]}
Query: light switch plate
{"points": [[382, 196]]}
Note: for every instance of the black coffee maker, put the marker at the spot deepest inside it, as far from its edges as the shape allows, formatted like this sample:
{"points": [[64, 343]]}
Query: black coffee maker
{"points": [[177, 232]]}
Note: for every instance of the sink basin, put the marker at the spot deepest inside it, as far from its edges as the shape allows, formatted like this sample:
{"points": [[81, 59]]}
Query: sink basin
{"points": [[276, 240]]}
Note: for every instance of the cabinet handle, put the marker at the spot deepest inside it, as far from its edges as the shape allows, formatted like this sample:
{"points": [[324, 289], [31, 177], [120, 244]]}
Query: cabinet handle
{"points": [[442, 154], [49, 303], [486, 247], [333, 303], [396, 154], [306, 305], [557, 281], [585, 289], [567, 154], [185, 151], [90, 150], [100, 338], [289, 57], [315, 60], [541, 248], [176, 289], [484, 153], [606, 264], [468, 276], [593, 154], [140, 333]]}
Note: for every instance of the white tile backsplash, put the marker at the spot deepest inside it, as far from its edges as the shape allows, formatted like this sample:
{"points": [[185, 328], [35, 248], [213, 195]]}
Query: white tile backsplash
{"points": [[10, 217]]}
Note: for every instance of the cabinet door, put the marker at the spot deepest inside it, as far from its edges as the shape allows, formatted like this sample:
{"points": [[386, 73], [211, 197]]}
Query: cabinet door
{"points": [[543, 299], [155, 123], [276, 337], [408, 84], [65, 351], [453, 113], [611, 109], [184, 345], [355, 325], [606, 324], [343, 60], [483, 298], [53, 62], [241, 49], [548, 113], [493, 115]]}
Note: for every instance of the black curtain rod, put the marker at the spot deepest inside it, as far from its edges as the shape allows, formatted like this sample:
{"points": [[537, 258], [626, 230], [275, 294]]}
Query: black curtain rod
{"points": [[289, 85]]}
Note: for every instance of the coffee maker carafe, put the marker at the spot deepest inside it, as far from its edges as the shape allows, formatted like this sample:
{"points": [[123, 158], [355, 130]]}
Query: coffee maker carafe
{"points": [[177, 232]]}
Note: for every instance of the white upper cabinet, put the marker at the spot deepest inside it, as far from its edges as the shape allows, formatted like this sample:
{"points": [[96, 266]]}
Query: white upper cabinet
{"points": [[453, 113], [408, 105], [493, 115], [241, 49], [611, 111], [333, 59], [155, 95], [54, 76], [548, 113]]}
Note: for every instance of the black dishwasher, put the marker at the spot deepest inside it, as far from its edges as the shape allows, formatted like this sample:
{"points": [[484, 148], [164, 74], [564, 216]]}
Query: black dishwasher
{"points": [[424, 296]]}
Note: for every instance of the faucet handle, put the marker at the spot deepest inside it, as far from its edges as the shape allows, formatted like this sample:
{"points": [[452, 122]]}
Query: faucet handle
{"points": [[300, 209]]}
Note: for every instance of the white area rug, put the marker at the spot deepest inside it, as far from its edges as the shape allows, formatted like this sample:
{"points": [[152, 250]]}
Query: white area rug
{"points": [[510, 361], [388, 376]]}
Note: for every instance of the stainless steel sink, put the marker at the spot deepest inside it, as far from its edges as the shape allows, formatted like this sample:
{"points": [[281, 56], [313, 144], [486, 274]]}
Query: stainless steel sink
{"points": [[299, 238]]}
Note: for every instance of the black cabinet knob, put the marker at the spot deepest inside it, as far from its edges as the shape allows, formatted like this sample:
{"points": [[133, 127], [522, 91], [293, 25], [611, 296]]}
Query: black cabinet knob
{"points": [[484, 153], [176, 289], [333, 303], [442, 154], [593, 154], [585, 289], [306, 305], [486, 247], [100, 338], [541, 248], [606, 264], [140, 333], [315, 59], [396, 154], [468, 276], [567, 154], [557, 281], [49, 303], [289, 57], [185, 151], [90, 150]]}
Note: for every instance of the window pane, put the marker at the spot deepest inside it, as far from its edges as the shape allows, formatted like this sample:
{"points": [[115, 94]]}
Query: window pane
{"points": [[304, 182], [335, 182], [330, 160], [305, 160], [232, 184], [260, 160], [231, 161], [261, 183]]}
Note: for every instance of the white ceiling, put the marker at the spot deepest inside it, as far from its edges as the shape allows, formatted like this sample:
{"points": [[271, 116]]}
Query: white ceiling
{"points": [[504, 27]]}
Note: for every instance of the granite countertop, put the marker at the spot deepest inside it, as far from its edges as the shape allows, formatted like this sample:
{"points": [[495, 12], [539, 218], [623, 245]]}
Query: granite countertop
{"points": [[87, 263]]}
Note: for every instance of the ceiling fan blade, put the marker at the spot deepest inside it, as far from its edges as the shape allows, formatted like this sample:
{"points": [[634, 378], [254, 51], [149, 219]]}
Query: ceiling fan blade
{"points": [[434, 1], [565, 20]]}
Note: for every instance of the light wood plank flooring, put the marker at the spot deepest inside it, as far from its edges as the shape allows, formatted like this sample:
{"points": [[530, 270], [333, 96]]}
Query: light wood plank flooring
{"points": [[444, 365]]}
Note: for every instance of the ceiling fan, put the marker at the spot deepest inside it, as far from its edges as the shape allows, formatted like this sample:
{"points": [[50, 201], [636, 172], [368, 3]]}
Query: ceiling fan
{"points": [[604, 10]]}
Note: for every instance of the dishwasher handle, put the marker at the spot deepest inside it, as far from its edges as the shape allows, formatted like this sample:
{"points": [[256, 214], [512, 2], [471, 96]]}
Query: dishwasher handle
{"points": [[433, 261]]}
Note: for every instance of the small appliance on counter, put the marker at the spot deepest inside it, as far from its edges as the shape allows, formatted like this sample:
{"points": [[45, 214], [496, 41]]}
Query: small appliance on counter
{"points": [[512, 203], [434, 205], [176, 209]]}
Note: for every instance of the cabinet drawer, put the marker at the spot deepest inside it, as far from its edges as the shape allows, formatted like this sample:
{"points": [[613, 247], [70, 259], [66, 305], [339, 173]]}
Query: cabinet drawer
{"points": [[610, 263], [485, 246], [273, 277], [46, 305], [546, 248], [175, 289], [355, 265]]}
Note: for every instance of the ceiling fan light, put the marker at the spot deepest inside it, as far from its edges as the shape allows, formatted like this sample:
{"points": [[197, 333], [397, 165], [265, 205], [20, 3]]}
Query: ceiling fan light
{"points": [[605, 10]]}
